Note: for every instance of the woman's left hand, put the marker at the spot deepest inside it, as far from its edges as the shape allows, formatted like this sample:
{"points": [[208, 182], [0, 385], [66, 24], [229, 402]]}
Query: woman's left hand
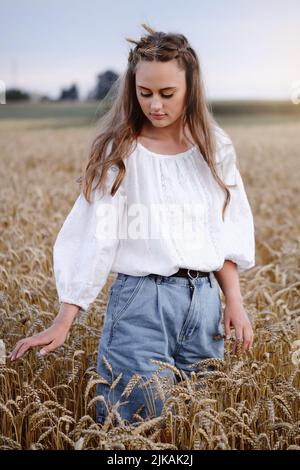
{"points": [[236, 317]]}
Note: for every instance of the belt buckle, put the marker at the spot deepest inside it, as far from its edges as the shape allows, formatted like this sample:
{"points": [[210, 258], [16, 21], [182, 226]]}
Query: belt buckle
{"points": [[191, 277]]}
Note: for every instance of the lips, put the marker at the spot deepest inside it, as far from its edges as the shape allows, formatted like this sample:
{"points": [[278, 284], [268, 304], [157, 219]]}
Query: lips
{"points": [[158, 117]]}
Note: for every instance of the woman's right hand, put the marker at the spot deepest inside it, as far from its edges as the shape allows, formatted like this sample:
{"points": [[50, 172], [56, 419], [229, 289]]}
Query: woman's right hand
{"points": [[51, 338]]}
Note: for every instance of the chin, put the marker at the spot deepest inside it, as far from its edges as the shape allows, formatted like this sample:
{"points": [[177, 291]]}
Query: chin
{"points": [[159, 123]]}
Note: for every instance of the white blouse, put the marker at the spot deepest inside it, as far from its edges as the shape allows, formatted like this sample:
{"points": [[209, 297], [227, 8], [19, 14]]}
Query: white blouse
{"points": [[166, 215]]}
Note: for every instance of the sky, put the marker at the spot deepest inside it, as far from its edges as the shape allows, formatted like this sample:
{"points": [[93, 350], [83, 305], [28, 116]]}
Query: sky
{"points": [[248, 49]]}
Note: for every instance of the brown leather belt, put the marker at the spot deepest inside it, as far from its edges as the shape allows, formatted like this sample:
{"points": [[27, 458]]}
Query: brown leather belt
{"points": [[190, 273]]}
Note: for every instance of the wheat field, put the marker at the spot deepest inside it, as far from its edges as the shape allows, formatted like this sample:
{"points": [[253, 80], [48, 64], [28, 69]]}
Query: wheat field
{"points": [[248, 402]]}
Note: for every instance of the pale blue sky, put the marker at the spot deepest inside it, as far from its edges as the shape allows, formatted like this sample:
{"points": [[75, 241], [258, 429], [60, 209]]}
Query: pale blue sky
{"points": [[247, 48]]}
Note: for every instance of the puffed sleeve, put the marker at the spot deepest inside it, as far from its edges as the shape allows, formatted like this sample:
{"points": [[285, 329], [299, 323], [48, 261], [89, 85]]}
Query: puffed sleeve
{"points": [[238, 231], [86, 244]]}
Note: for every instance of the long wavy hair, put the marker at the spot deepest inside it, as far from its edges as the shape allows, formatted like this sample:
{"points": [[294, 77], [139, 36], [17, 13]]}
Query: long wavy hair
{"points": [[121, 124]]}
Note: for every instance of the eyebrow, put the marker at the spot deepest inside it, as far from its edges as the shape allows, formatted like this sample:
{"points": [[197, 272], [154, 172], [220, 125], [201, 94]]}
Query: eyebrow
{"points": [[167, 88]]}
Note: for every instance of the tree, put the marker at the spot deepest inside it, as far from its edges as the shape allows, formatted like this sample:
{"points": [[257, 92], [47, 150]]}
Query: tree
{"points": [[69, 93], [104, 83], [14, 94]]}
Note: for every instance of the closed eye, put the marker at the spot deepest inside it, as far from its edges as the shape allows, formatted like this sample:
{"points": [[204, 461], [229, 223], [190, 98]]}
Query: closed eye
{"points": [[164, 96]]}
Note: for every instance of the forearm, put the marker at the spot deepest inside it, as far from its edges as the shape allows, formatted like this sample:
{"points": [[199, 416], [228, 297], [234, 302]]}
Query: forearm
{"points": [[228, 280], [66, 314]]}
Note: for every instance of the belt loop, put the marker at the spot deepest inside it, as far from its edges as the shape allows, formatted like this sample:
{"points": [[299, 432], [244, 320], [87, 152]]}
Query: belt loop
{"points": [[158, 279], [209, 278]]}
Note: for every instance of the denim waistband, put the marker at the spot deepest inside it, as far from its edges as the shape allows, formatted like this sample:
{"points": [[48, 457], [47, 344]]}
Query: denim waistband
{"points": [[182, 281]]}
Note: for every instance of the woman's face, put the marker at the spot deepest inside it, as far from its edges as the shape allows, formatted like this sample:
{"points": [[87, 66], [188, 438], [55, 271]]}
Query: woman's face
{"points": [[161, 89]]}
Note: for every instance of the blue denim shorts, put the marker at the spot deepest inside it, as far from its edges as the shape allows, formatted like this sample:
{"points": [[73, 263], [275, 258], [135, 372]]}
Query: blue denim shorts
{"points": [[154, 317]]}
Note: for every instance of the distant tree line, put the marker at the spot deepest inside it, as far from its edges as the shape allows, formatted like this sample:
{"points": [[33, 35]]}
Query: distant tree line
{"points": [[104, 82], [14, 94]]}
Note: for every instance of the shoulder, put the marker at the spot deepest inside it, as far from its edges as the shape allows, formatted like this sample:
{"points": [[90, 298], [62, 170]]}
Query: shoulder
{"points": [[222, 137], [224, 145], [225, 156]]}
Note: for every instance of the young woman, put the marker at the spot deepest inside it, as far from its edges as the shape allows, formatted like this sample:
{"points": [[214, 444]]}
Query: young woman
{"points": [[168, 214]]}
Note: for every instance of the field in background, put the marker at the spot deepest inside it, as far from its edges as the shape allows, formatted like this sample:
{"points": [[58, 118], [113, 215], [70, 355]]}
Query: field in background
{"points": [[250, 402], [69, 114]]}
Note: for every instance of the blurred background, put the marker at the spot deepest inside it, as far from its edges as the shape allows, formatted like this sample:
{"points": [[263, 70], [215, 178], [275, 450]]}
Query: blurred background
{"points": [[59, 58], [58, 61]]}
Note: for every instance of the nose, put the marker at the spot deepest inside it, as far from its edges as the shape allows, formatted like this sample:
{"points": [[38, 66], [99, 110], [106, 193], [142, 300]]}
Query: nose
{"points": [[155, 106]]}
